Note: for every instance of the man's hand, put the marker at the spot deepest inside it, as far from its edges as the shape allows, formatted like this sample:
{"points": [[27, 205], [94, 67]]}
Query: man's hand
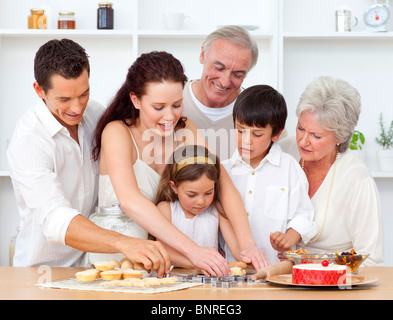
{"points": [[151, 254]]}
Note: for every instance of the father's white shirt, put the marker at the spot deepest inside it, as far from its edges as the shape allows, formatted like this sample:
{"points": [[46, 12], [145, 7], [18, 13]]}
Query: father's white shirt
{"points": [[54, 180]]}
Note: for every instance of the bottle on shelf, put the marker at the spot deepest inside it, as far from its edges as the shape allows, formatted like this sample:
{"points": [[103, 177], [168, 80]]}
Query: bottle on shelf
{"points": [[37, 19], [105, 15], [66, 20]]}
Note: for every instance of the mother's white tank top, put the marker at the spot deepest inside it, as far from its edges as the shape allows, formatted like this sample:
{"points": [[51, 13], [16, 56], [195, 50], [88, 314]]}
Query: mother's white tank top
{"points": [[147, 180]]}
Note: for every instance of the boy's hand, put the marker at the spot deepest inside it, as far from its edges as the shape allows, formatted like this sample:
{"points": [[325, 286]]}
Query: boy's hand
{"points": [[284, 242]]}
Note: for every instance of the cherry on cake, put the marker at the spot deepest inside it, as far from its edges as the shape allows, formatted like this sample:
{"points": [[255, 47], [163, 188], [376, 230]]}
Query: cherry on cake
{"points": [[319, 274]]}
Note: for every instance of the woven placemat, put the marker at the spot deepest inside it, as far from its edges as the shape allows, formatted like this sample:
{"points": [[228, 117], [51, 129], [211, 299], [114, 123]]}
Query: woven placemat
{"points": [[74, 284]]}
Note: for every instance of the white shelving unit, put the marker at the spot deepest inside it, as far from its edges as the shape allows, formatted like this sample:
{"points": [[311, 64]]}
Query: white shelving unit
{"points": [[363, 35], [138, 29], [296, 38]]}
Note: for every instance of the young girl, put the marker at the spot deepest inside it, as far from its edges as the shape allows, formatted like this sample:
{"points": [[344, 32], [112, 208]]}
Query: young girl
{"points": [[187, 196]]}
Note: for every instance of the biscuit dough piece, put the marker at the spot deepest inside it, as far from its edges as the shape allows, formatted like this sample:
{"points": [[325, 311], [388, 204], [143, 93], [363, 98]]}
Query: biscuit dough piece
{"points": [[130, 273], [236, 271], [87, 275], [238, 264], [111, 275], [104, 266]]}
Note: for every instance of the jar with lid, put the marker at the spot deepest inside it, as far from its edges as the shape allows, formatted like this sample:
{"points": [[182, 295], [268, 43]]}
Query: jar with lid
{"points": [[113, 218], [37, 19], [66, 20], [105, 15]]}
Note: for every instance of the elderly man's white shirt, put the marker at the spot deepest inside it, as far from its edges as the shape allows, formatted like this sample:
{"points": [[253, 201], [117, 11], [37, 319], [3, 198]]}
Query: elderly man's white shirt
{"points": [[275, 195], [54, 180]]}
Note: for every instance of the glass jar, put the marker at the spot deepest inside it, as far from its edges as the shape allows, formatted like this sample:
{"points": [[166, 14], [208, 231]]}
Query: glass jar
{"points": [[105, 15], [12, 248], [37, 19], [66, 20], [113, 218]]}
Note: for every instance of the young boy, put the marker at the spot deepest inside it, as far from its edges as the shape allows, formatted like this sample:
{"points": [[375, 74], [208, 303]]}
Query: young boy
{"points": [[272, 184]]}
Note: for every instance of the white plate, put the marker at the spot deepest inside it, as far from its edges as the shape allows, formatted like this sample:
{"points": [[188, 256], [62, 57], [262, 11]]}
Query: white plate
{"points": [[352, 280]]}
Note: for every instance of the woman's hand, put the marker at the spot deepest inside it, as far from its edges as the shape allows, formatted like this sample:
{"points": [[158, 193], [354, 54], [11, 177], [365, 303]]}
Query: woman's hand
{"points": [[209, 260], [151, 254], [254, 256]]}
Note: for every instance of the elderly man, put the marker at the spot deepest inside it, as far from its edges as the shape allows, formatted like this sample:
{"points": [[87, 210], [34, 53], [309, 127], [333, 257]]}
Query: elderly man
{"points": [[227, 55]]}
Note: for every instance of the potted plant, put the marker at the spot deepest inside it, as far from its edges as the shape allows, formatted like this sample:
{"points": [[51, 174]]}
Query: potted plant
{"points": [[385, 139], [357, 143]]}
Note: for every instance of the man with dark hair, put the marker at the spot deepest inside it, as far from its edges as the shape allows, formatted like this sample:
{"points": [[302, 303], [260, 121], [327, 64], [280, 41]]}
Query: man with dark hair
{"points": [[54, 178]]}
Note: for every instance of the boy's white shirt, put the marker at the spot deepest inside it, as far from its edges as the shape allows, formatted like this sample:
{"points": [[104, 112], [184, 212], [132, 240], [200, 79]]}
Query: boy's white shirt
{"points": [[275, 195]]}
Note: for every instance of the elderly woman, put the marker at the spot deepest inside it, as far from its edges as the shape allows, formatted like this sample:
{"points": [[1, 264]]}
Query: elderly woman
{"points": [[344, 195]]}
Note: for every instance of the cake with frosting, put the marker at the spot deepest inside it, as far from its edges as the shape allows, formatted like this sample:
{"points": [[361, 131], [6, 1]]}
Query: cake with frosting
{"points": [[319, 274]]}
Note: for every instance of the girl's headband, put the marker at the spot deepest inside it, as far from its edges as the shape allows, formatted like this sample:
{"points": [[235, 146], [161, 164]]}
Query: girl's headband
{"points": [[193, 160]]}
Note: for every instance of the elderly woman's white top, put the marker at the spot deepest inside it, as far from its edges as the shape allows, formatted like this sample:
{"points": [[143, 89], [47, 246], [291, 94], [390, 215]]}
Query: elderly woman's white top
{"points": [[354, 219]]}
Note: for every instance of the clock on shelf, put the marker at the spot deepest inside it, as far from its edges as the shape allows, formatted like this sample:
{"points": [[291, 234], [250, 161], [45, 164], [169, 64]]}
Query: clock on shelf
{"points": [[376, 17]]}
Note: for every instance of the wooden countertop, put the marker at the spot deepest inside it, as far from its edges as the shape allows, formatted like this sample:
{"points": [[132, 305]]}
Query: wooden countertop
{"points": [[19, 283]]}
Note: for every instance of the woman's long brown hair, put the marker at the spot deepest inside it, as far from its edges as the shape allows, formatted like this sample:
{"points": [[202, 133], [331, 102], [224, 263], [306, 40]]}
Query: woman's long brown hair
{"points": [[148, 68]]}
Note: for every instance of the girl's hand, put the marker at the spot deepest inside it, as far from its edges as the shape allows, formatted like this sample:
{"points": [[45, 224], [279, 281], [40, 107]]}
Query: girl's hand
{"points": [[210, 261], [254, 256]]}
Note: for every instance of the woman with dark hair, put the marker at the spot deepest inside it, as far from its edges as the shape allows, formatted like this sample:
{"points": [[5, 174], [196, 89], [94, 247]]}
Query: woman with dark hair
{"points": [[136, 135]]}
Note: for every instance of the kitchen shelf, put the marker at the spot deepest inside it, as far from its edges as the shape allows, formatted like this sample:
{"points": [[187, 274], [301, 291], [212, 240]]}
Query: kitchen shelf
{"points": [[116, 33], [56, 33], [171, 33], [191, 34], [4, 173], [339, 35], [379, 174]]}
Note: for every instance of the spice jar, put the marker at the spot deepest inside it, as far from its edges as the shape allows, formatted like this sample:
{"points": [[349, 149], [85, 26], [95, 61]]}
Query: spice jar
{"points": [[105, 15], [66, 20], [113, 218], [37, 19]]}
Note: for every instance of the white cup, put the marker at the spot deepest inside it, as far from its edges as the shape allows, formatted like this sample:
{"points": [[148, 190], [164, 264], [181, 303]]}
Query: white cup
{"points": [[174, 20]]}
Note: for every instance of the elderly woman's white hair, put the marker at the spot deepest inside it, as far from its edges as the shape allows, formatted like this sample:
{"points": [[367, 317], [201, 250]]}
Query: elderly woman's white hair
{"points": [[336, 105]]}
